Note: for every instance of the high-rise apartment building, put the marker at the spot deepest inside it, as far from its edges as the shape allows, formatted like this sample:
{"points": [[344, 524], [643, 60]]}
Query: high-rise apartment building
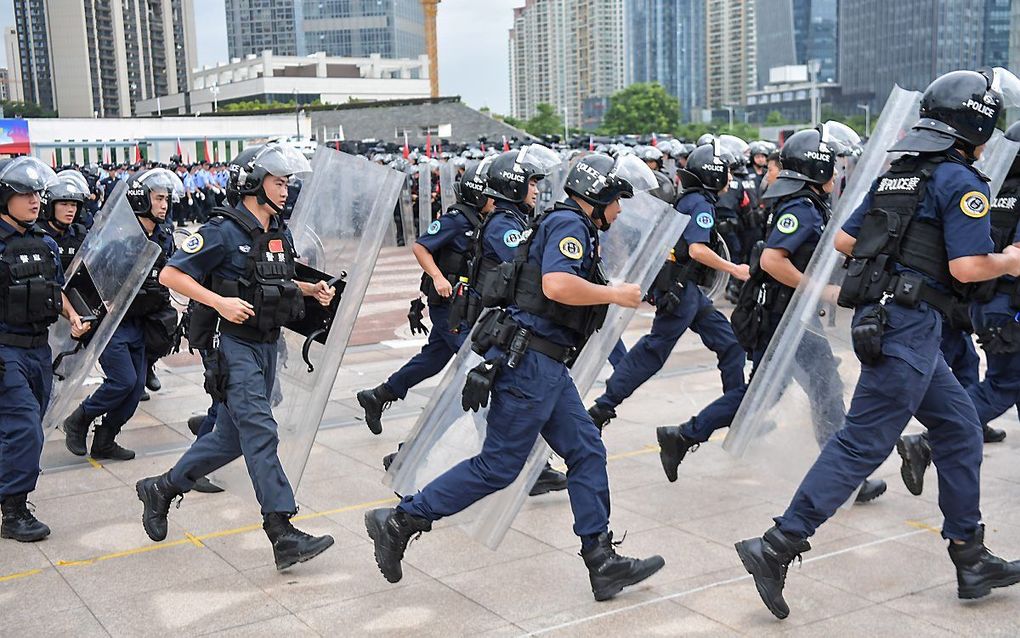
{"points": [[815, 36], [567, 53], [665, 44], [85, 58], [15, 90], [911, 42], [731, 52], [344, 28]]}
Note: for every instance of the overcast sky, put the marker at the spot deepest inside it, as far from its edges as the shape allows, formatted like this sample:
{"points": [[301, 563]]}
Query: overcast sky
{"points": [[472, 46]]}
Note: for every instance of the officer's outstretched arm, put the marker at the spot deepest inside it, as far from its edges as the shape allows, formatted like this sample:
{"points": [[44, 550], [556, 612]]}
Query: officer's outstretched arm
{"points": [[78, 327], [702, 254], [571, 290], [845, 242], [232, 309], [984, 267], [776, 262], [428, 264]]}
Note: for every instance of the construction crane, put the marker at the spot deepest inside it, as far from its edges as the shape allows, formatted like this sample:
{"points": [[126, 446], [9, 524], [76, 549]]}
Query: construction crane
{"points": [[430, 7]]}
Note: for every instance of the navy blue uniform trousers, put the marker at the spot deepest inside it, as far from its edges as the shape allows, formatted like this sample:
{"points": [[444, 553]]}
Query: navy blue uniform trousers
{"points": [[537, 398], [25, 386], [244, 427], [911, 380], [435, 354], [124, 364], [649, 354]]}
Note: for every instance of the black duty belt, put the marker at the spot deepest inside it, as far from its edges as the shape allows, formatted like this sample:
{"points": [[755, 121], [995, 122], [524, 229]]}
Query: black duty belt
{"points": [[248, 333], [24, 341]]}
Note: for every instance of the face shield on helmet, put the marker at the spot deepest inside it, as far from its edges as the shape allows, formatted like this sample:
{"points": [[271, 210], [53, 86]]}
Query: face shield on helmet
{"points": [[638, 176], [75, 177], [282, 160], [154, 180], [1006, 84], [65, 187], [25, 175], [738, 147], [840, 137]]}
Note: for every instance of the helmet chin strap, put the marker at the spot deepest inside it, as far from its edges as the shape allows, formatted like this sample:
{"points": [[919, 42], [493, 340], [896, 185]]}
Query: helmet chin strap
{"points": [[598, 213], [263, 200]]}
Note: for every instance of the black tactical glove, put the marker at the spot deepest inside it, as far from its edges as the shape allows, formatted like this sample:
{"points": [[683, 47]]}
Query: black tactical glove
{"points": [[1003, 339], [415, 315], [667, 302], [215, 381], [479, 385], [867, 335]]}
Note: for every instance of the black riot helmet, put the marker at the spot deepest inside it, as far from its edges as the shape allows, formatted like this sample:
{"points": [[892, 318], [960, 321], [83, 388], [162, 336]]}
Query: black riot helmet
{"points": [[706, 168], [234, 169], [600, 180], [958, 107], [64, 188], [806, 158], [275, 158], [511, 171], [143, 183], [650, 154], [22, 175], [470, 189]]}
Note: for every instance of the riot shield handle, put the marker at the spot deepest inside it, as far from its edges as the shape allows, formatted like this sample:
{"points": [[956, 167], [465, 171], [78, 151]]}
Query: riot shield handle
{"points": [[339, 282]]}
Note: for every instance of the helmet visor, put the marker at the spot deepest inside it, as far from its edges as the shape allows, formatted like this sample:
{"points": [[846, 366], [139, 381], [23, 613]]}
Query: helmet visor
{"points": [[541, 157], [64, 188], [840, 137], [1007, 85], [26, 175], [283, 160], [635, 172], [73, 176], [738, 147], [161, 179]]}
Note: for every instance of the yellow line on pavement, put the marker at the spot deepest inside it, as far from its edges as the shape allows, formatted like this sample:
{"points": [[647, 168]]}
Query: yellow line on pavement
{"points": [[30, 572], [94, 463], [924, 526]]}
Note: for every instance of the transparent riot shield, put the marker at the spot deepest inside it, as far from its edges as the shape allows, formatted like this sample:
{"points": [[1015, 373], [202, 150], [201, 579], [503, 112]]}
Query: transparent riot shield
{"points": [[424, 198], [446, 435], [338, 225], [782, 425], [716, 281], [101, 282], [447, 184], [550, 189]]}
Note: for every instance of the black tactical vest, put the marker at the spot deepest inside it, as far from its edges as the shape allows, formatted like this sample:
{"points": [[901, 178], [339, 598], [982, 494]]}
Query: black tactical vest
{"points": [[526, 284], [152, 295], [681, 268], [451, 263], [484, 274], [29, 292], [268, 283], [69, 242]]}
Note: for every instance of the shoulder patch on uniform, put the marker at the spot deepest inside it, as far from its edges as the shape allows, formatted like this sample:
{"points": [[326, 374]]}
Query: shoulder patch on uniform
{"points": [[512, 238], [571, 248], [704, 220], [787, 224], [193, 244], [434, 227], [974, 204]]}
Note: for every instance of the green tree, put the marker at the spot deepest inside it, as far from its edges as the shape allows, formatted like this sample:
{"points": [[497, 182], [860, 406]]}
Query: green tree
{"points": [[775, 118], [545, 122], [641, 109], [25, 109]]}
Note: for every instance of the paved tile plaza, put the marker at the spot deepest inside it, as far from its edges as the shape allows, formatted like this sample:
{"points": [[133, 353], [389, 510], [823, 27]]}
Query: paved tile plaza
{"points": [[879, 569]]}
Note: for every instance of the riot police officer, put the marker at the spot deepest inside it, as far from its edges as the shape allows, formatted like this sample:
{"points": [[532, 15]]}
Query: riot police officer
{"points": [[679, 302], [124, 360], [62, 206], [557, 300], [239, 268], [30, 301], [800, 212], [995, 317], [902, 285], [444, 253], [666, 190]]}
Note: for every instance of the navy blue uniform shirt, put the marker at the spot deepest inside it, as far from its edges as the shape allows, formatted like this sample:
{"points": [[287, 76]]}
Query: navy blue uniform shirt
{"points": [[452, 229], [564, 242], [6, 230], [503, 232], [701, 209], [797, 222]]}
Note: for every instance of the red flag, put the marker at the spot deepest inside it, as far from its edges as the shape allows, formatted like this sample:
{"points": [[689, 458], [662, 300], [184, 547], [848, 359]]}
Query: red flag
{"points": [[407, 149], [506, 145], [180, 153], [53, 160], [428, 145], [483, 147], [138, 154], [208, 150], [591, 143], [655, 140]]}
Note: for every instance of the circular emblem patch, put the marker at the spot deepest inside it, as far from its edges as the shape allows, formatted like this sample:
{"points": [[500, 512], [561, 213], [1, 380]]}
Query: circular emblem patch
{"points": [[434, 227], [571, 248], [787, 224], [512, 238], [974, 204], [705, 220], [193, 244]]}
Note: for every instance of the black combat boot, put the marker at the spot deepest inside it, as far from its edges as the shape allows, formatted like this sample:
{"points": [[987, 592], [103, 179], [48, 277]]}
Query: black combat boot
{"points": [[673, 447], [993, 435], [374, 402], [915, 451], [387, 460], [767, 559], [105, 447], [601, 415], [195, 423], [18, 521], [391, 530], [204, 486], [156, 493], [151, 380], [978, 571], [609, 572], [549, 480], [76, 429], [290, 545], [870, 490]]}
